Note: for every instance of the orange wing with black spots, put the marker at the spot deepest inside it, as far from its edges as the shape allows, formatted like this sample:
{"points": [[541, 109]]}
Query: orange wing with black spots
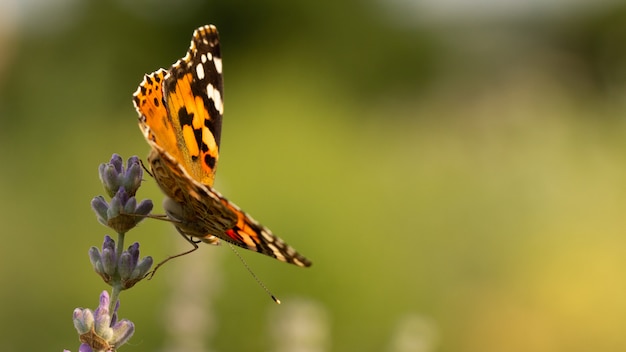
{"points": [[180, 114], [183, 107]]}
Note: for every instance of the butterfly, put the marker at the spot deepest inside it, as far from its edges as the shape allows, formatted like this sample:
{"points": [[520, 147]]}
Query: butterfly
{"points": [[180, 114]]}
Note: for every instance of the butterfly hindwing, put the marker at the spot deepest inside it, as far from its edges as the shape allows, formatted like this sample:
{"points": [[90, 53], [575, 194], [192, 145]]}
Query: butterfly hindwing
{"points": [[249, 234]]}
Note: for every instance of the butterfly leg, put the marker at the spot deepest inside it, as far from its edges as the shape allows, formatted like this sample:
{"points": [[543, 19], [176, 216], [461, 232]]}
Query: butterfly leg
{"points": [[189, 239], [145, 168]]}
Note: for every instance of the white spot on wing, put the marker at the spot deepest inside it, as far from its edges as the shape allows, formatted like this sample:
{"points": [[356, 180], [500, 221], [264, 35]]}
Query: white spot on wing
{"points": [[218, 64], [267, 236], [200, 71], [216, 96], [276, 252]]}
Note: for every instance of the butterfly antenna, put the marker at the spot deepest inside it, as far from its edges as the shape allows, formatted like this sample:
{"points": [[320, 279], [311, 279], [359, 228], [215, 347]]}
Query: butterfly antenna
{"points": [[253, 274]]}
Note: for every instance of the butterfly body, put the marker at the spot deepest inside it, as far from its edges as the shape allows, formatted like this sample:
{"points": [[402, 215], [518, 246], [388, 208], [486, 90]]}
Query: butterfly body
{"points": [[180, 114]]}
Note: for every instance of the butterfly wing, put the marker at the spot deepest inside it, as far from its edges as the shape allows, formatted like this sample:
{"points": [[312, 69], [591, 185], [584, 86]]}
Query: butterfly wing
{"points": [[250, 234], [203, 213], [181, 109], [187, 201], [180, 114]]}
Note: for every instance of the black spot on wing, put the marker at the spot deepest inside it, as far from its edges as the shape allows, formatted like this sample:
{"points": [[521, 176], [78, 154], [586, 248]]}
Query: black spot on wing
{"points": [[186, 119], [209, 161], [214, 124], [198, 136]]}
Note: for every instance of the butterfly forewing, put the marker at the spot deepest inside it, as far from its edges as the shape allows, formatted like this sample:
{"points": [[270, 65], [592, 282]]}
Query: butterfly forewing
{"points": [[193, 95], [154, 119]]}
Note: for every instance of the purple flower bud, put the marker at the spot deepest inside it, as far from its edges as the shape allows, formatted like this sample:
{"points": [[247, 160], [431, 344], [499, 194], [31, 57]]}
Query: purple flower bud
{"points": [[122, 195], [122, 213], [131, 179], [108, 177], [100, 206], [85, 348], [117, 162], [109, 243], [133, 250], [111, 173], [103, 306], [104, 263], [114, 177], [142, 268], [94, 257], [133, 270], [109, 261], [115, 208], [122, 332], [102, 323], [83, 320], [98, 330], [144, 208], [128, 261], [125, 269], [126, 266], [130, 205], [96, 262]]}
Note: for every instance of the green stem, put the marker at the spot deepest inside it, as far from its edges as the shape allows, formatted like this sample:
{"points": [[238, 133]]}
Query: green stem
{"points": [[116, 287], [120, 244]]}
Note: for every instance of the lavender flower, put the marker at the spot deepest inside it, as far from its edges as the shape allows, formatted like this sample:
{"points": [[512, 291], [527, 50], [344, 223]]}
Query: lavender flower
{"points": [[122, 213], [99, 330], [113, 175], [126, 269]]}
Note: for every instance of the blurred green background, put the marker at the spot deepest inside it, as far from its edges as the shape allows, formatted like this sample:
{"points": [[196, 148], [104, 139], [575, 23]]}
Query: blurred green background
{"points": [[456, 171]]}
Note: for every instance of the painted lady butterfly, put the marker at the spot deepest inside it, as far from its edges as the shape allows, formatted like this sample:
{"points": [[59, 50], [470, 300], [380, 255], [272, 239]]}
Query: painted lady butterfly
{"points": [[180, 114]]}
